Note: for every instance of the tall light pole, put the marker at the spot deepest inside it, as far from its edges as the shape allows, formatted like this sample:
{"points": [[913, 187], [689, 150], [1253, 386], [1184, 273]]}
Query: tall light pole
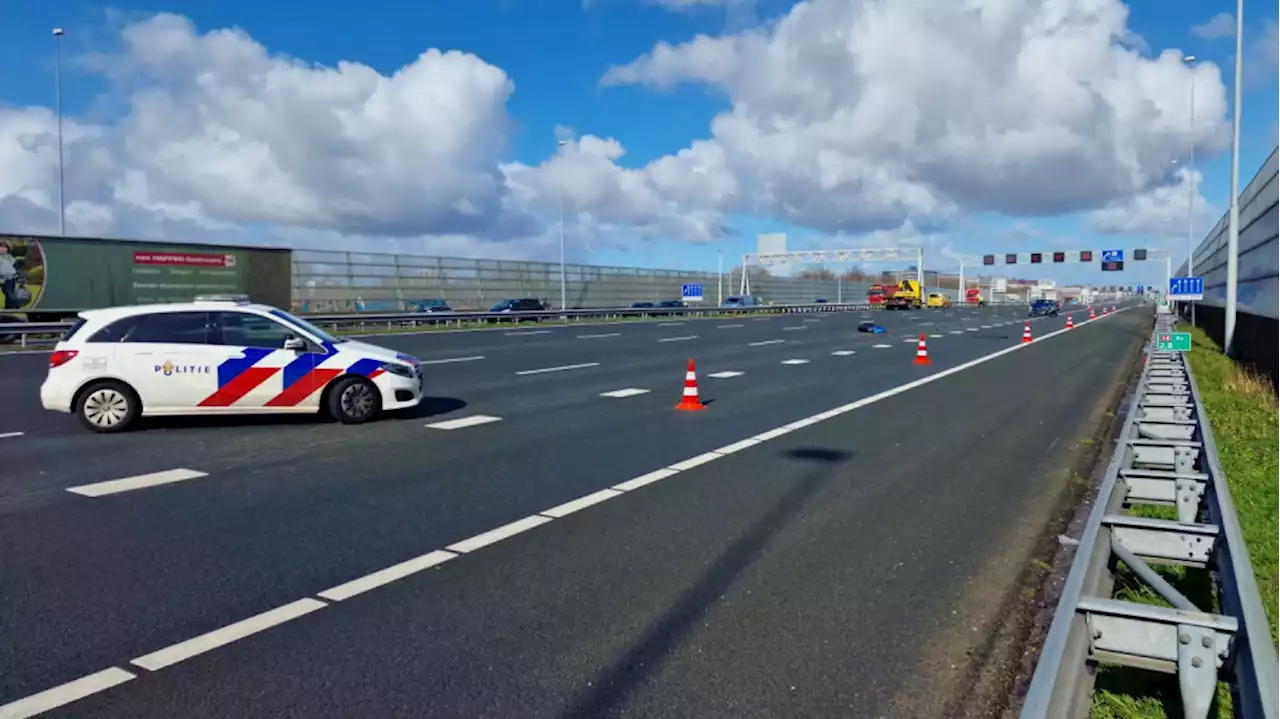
{"points": [[57, 95], [564, 292], [719, 277], [1233, 215], [1191, 184]]}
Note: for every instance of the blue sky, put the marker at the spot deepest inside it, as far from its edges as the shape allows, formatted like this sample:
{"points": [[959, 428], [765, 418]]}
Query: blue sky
{"points": [[556, 51]]}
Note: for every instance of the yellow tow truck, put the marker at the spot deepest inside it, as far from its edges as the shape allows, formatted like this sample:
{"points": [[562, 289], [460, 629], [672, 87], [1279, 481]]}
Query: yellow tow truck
{"points": [[906, 296]]}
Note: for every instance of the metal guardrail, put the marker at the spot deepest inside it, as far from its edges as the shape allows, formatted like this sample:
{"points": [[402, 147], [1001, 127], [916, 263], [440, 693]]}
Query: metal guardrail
{"points": [[24, 331], [1166, 456]]}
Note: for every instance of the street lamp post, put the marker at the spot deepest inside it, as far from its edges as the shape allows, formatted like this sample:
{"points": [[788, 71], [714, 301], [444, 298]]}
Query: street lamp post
{"points": [[564, 291], [57, 95], [1191, 184], [1233, 215]]}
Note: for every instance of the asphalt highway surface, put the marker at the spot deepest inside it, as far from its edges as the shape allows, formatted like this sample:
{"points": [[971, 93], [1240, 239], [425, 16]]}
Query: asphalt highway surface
{"points": [[546, 536]]}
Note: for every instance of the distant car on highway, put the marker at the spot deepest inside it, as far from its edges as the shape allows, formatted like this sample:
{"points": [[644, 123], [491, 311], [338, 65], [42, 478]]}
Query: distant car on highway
{"points": [[523, 304], [741, 301], [938, 301], [218, 356], [641, 305], [1043, 308]]}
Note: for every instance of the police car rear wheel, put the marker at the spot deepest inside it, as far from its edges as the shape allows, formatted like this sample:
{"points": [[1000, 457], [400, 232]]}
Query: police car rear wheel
{"points": [[354, 400], [108, 407]]}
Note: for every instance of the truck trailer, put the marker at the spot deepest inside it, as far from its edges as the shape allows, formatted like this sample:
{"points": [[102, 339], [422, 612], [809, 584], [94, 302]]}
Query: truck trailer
{"points": [[50, 279]]}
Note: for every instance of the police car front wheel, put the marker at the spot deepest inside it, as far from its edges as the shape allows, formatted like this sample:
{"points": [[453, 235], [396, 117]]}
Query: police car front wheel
{"points": [[108, 407], [354, 400]]}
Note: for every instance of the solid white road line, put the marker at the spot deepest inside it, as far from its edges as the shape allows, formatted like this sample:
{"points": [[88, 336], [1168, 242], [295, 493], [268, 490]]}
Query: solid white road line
{"points": [[386, 576], [795, 361], [880, 347], [65, 694], [843, 353], [599, 336], [737, 446], [10, 435], [692, 462], [525, 334], [620, 393], [581, 503], [451, 360], [558, 369], [678, 339], [645, 479], [766, 342], [221, 637], [728, 327], [493, 536], [141, 481], [459, 423], [725, 375]]}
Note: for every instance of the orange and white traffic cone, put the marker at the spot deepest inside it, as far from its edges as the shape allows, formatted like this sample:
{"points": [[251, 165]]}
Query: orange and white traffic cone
{"points": [[1026, 333], [690, 399], [1092, 316], [1070, 324], [922, 353]]}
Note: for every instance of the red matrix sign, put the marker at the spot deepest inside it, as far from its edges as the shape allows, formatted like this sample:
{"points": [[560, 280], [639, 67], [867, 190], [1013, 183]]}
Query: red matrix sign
{"points": [[184, 259]]}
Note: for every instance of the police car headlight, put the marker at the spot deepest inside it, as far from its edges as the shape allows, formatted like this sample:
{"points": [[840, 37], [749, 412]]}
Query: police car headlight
{"points": [[396, 368]]}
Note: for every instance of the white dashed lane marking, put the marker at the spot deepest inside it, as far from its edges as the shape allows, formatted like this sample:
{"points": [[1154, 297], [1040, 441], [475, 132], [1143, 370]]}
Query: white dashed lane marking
{"points": [[141, 481], [766, 342], [679, 339], [525, 334], [451, 360], [558, 369], [600, 336], [795, 361], [729, 327], [620, 393], [462, 422], [880, 347], [65, 693], [232, 632], [843, 353], [725, 375], [10, 435], [792, 329], [386, 576]]}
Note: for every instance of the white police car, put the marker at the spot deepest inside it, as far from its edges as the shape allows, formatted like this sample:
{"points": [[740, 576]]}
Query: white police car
{"points": [[219, 355]]}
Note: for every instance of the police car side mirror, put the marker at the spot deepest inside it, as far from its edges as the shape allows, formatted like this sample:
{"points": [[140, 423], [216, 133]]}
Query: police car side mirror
{"points": [[296, 344]]}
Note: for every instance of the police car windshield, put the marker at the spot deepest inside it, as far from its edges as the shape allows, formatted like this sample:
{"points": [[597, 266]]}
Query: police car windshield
{"points": [[307, 326]]}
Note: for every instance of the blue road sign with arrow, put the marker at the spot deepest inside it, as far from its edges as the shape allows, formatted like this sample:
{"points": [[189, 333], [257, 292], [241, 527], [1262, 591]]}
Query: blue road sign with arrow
{"points": [[691, 292], [1186, 288]]}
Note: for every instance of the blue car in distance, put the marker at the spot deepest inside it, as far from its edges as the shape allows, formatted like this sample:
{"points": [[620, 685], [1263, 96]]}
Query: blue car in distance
{"points": [[1043, 308]]}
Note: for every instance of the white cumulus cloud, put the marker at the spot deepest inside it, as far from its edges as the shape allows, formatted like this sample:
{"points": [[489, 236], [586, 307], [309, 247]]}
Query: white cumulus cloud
{"points": [[874, 111]]}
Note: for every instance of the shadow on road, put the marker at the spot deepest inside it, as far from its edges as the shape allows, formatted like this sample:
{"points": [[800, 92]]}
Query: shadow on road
{"points": [[428, 407], [610, 690]]}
